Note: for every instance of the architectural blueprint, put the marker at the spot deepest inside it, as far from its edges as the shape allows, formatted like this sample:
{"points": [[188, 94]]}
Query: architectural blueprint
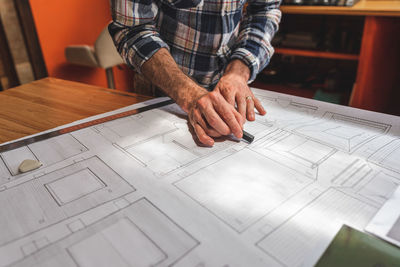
{"points": [[386, 223], [140, 191]]}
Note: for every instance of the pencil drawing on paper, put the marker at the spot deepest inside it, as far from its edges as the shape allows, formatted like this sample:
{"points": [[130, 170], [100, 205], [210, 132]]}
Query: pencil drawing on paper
{"points": [[47, 152], [139, 191]]}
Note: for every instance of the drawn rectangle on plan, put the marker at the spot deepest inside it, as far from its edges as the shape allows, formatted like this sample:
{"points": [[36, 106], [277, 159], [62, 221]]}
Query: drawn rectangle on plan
{"points": [[295, 152], [242, 188], [48, 152], [379, 187], [343, 132], [291, 242], [161, 154], [120, 244], [137, 235], [13, 158], [168, 152], [57, 149], [353, 173], [134, 129], [74, 186], [35, 207], [388, 156]]}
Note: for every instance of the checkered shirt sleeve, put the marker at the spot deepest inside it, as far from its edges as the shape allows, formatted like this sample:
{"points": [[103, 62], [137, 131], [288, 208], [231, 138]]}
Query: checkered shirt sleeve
{"points": [[259, 25], [134, 31]]}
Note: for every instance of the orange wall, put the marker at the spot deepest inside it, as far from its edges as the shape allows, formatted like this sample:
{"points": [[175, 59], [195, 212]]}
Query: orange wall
{"points": [[70, 22]]}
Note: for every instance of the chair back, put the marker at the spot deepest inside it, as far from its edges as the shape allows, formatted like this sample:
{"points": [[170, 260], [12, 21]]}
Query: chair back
{"points": [[105, 51]]}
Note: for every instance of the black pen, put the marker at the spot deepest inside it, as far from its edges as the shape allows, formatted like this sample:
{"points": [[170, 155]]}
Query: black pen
{"points": [[247, 137]]}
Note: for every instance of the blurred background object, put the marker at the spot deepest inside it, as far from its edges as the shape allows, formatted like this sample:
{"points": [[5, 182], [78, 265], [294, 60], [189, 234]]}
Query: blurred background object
{"points": [[15, 66], [102, 55]]}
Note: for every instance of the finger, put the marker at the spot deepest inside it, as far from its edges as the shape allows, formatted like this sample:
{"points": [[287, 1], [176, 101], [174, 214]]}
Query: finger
{"points": [[250, 109], [239, 117], [200, 120], [241, 104], [202, 136], [215, 121], [232, 118], [259, 106]]}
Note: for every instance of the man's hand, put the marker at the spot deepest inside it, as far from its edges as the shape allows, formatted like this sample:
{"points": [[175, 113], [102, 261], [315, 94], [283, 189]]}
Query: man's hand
{"points": [[233, 87], [212, 116], [209, 113]]}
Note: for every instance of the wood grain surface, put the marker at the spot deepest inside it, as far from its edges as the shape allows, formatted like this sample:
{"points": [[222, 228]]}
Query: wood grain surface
{"points": [[50, 102]]}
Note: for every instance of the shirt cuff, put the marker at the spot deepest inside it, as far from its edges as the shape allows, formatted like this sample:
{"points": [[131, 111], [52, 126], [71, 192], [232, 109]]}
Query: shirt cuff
{"points": [[249, 59]]}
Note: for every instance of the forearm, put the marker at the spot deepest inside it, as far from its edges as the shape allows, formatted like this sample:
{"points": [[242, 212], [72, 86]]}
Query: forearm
{"points": [[163, 72]]}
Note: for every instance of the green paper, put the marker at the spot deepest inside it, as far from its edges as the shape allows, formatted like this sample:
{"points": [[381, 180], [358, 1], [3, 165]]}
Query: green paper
{"points": [[354, 248]]}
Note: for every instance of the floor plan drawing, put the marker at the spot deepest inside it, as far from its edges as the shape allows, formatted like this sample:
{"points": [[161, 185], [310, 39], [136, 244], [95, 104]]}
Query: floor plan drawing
{"points": [[379, 187], [386, 223], [299, 112], [58, 195], [47, 152], [296, 152], [249, 197], [138, 235], [128, 131], [300, 234], [140, 191], [171, 151], [352, 174], [388, 156], [343, 132]]}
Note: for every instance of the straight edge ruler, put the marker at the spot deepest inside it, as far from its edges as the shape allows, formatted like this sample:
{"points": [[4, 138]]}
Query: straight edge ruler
{"points": [[48, 135]]}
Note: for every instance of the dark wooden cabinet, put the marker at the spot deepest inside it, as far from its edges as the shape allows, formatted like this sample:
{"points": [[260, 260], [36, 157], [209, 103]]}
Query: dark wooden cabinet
{"points": [[375, 59]]}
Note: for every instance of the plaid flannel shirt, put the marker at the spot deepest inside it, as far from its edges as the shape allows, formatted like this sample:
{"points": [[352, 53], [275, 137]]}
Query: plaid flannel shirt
{"points": [[201, 35]]}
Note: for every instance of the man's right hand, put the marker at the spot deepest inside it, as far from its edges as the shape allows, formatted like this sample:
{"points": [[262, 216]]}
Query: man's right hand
{"points": [[212, 116], [209, 113]]}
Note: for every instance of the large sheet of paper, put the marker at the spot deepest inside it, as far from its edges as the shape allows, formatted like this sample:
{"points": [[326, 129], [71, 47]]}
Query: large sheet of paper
{"points": [[386, 223], [138, 191]]}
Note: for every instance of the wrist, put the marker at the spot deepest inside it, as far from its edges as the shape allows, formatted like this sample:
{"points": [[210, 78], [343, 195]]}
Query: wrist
{"points": [[189, 95], [238, 68]]}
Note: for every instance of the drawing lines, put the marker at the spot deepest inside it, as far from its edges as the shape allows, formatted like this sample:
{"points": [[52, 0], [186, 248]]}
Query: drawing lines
{"points": [[128, 131], [291, 242], [353, 174], [240, 190], [58, 195], [388, 156], [137, 235], [293, 151], [48, 152], [343, 132]]}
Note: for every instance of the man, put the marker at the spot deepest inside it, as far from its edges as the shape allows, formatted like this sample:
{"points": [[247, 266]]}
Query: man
{"points": [[202, 53]]}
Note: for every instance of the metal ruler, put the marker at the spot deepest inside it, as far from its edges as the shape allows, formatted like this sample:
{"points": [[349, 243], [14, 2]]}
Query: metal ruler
{"points": [[44, 136]]}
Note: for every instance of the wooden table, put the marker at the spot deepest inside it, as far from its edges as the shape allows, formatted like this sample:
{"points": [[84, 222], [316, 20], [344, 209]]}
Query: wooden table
{"points": [[50, 102]]}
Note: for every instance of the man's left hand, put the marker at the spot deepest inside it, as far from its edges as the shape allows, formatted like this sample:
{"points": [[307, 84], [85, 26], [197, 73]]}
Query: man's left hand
{"points": [[233, 87]]}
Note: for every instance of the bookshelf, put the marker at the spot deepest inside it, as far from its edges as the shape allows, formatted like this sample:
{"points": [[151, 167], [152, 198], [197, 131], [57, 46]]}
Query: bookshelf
{"points": [[377, 81]]}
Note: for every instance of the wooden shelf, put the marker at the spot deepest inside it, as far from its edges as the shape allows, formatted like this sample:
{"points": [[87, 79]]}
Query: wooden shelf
{"points": [[362, 8], [311, 53]]}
